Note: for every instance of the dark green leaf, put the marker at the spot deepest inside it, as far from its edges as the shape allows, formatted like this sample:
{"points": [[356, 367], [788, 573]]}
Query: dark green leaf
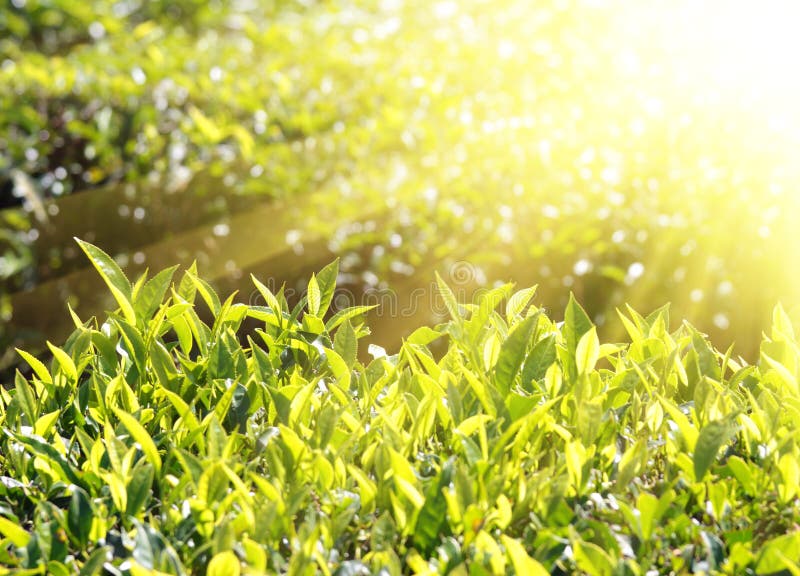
{"points": [[37, 447], [512, 354], [94, 564], [25, 398], [139, 488], [80, 515], [712, 437], [134, 344], [540, 359], [432, 522]]}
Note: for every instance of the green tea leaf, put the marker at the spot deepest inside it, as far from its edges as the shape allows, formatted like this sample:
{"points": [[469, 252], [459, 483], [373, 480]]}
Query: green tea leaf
{"points": [[38, 367], [141, 436], [94, 564], [186, 288], [743, 474], [162, 363], [65, 363], [486, 305], [134, 343], [423, 336], [314, 296], [39, 448], [269, 298], [782, 373], [347, 314], [590, 416], [46, 422], [518, 301], [647, 505], [522, 563], [706, 356], [658, 320], [512, 354], [207, 293], [25, 399], [688, 432], [449, 299], [775, 552], [631, 464], [576, 324], [147, 300], [540, 359], [326, 280], [520, 406], [432, 519], [588, 351], [592, 559], [80, 515], [114, 278], [18, 536], [782, 329], [712, 437], [346, 343], [139, 488], [224, 357]]}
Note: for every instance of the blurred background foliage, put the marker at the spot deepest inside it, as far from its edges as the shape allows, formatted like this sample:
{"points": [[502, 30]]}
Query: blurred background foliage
{"points": [[629, 151]]}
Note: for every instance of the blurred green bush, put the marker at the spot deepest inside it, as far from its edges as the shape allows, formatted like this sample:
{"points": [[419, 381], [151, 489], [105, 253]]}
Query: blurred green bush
{"points": [[562, 142]]}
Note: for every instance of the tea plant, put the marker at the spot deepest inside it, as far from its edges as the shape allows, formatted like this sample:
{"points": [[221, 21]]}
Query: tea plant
{"points": [[158, 443]]}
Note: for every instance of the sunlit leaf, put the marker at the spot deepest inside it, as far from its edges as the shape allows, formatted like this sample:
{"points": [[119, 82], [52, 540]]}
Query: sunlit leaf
{"points": [[518, 301], [326, 281], [346, 314], [592, 559], [113, 276], [150, 296], [65, 362], [775, 552], [141, 436], [576, 324], [224, 564], [314, 296], [346, 343], [588, 351], [18, 536], [522, 563], [38, 367]]}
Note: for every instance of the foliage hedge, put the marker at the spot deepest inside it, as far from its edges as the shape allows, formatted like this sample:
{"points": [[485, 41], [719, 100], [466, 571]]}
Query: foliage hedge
{"points": [[498, 442]]}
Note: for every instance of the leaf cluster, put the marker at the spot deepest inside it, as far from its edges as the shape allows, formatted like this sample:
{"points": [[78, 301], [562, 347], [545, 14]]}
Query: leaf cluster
{"points": [[157, 443]]}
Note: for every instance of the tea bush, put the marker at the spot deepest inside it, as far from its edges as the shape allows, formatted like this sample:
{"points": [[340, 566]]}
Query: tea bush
{"points": [[158, 443]]}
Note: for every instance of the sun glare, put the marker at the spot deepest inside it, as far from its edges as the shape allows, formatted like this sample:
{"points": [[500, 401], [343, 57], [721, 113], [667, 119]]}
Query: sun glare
{"points": [[746, 51], [744, 43], [683, 108], [740, 53]]}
